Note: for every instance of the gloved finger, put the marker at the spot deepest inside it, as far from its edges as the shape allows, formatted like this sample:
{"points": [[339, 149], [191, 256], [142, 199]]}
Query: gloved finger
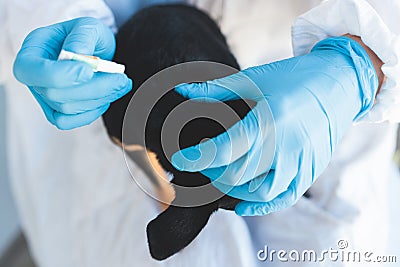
{"points": [[284, 200], [235, 174], [266, 192], [101, 86], [77, 107], [285, 169], [36, 65], [235, 86], [297, 187], [73, 108], [227, 147], [68, 122], [257, 161], [273, 183], [240, 191], [47, 110], [33, 67], [88, 36]]}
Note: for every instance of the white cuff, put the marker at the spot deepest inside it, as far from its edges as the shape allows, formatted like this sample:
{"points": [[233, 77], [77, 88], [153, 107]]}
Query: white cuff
{"points": [[357, 17]]}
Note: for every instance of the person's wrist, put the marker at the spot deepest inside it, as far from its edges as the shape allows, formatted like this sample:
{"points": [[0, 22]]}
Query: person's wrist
{"points": [[376, 61]]}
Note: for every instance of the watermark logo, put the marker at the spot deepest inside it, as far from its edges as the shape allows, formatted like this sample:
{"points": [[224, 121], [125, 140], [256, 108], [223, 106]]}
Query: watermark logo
{"points": [[341, 253], [342, 244]]}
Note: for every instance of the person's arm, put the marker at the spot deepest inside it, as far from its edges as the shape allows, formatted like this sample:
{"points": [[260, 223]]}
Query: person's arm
{"points": [[376, 23]]}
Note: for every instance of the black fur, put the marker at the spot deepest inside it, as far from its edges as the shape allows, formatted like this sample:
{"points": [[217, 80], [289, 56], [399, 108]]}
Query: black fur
{"points": [[152, 40]]}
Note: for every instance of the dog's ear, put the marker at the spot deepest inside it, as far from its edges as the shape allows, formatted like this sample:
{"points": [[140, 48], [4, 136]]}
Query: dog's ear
{"points": [[175, 228]]}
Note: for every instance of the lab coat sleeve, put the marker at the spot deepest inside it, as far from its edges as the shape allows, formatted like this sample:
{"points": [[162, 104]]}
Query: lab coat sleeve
{"points": [[29, 15], [377, 23]]}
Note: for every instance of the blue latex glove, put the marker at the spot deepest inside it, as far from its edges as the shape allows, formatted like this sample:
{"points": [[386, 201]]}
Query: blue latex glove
{"points": [[69, 92], [313, 98]]}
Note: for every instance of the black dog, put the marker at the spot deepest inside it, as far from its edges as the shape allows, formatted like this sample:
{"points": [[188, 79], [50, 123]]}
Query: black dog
{"points": [[152, 40]]}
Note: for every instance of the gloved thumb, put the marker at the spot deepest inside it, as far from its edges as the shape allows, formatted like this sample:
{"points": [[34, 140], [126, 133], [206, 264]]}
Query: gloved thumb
{"points": [[89, 36], [232, 87]]}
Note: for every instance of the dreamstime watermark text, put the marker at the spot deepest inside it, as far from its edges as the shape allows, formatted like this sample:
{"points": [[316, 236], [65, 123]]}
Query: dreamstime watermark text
{"points": [[339, 254]]}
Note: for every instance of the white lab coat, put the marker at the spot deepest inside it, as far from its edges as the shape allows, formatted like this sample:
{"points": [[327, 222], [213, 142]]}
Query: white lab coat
{"points": [[79, 206]]}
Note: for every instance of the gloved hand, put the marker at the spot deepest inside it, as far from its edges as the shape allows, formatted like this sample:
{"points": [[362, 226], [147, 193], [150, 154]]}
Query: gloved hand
{"points": [[313, 99], [69, 92]]}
